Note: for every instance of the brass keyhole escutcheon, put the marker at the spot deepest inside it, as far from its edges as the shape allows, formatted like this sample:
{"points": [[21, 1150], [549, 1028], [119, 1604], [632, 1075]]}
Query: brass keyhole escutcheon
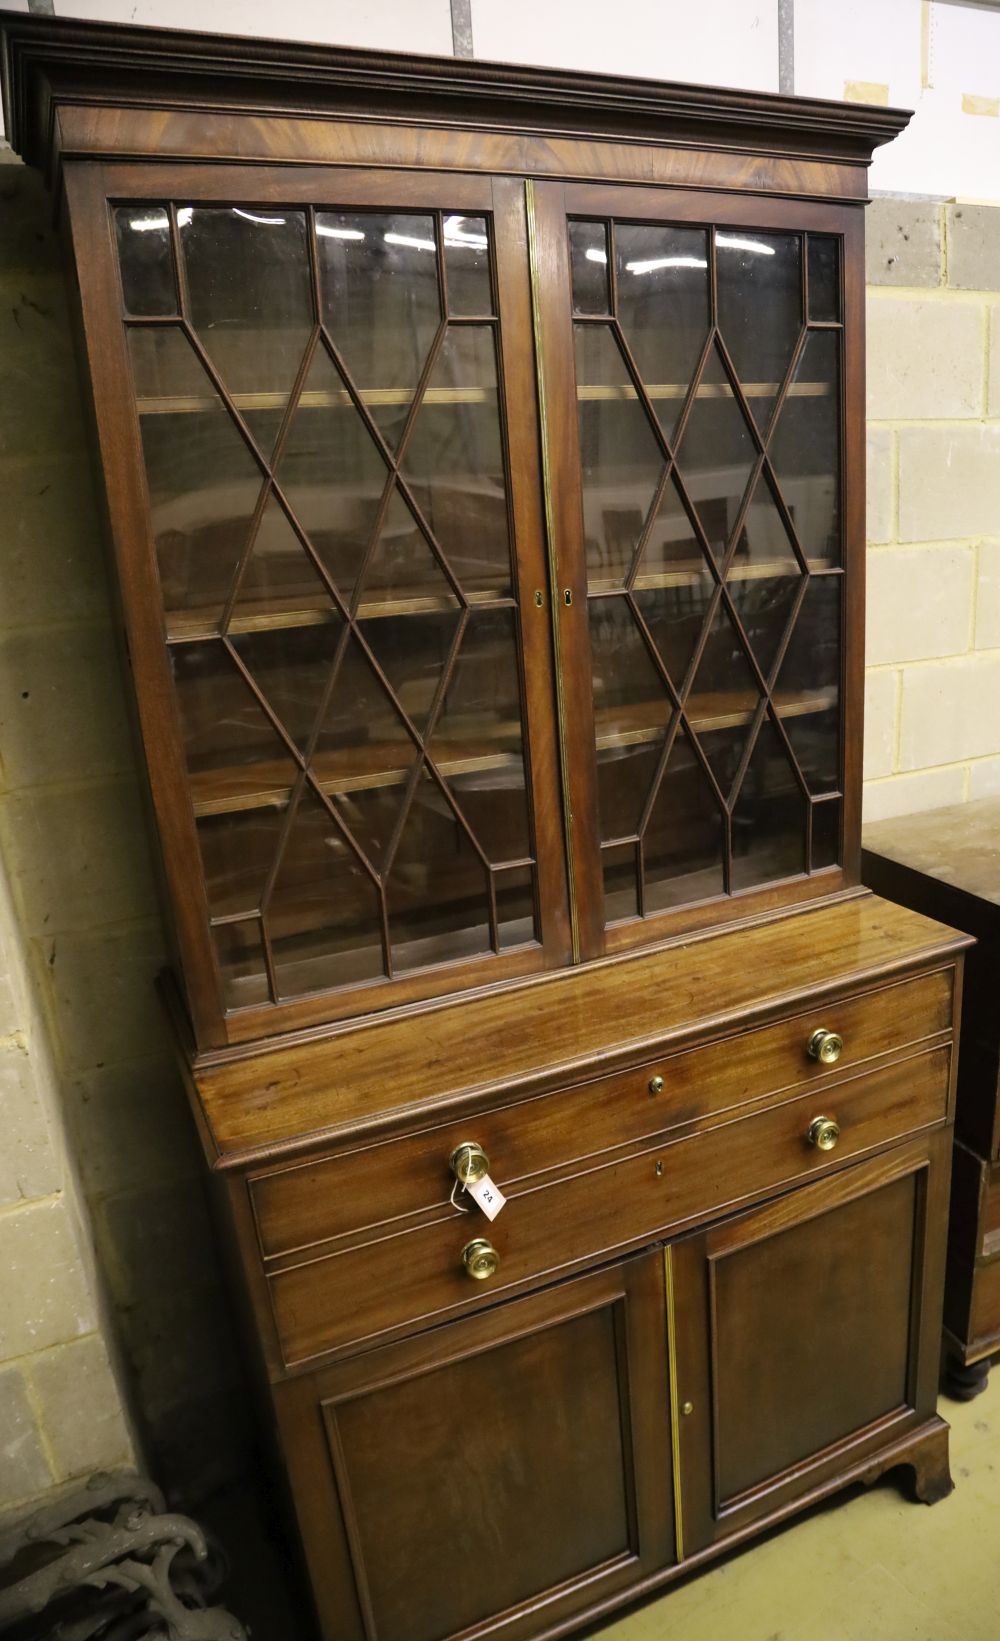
{"points": [[480, 1259], [823, 1133], [469, 1162], [825, 1046]]}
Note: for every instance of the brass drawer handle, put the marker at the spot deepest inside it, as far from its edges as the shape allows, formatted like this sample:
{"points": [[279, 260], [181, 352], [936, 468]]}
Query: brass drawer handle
{"points": [[469, 1162], [823, 1133], [480, 1259], [825, 1046]]}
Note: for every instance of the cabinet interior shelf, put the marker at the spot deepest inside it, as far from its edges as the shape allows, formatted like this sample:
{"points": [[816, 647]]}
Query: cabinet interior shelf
{"points": [[181, 404], [315, 609], [265, 784], [692, 572]]}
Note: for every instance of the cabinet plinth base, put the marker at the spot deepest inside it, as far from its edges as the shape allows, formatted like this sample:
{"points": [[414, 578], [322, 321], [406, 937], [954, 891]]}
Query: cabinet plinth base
{"points": [[964, 1381]]}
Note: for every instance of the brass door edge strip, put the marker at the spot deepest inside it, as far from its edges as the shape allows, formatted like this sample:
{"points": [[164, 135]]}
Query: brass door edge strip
{"points": [[675, 1435], [550, 548]]}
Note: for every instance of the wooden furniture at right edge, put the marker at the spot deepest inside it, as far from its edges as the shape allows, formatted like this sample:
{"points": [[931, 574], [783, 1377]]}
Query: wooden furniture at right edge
{"points": [[947, 863]]}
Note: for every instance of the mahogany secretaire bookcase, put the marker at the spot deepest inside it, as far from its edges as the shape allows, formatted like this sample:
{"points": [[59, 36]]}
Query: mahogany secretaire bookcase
{"points": [[483, 451]]}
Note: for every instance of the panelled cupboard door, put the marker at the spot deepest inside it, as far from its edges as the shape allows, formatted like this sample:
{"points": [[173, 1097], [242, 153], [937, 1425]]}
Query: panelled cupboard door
{"points": [[316, 397], [495, 1475], [808, 1336], [697, 354]]}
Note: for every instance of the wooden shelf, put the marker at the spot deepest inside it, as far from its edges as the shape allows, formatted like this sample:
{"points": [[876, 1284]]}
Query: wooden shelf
{"points": [[645, 722], [266, 785], [692, 572], [315, 609], [181, 404]]}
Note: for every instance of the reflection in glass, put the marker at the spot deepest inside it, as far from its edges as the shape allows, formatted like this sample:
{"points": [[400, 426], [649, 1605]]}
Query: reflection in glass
{"points": [[404, 570], [825, 834], [683, 845], [672, 550], [322, 917], [824, 278], [723, 699], [381, 301], [203, 482], [237, 849], [760, 309], [663, 308], [716, 454], [146, 259], [808, 689], [235, 756], [675, 617], [515, 896], [768, 817], [805, 448], [621, 460], [467, 266], [239, 952], [279, 579], [454, 460], [588, 255], [437, 889], [250, 301], [332, 473], [631, 713], [621, 879]]}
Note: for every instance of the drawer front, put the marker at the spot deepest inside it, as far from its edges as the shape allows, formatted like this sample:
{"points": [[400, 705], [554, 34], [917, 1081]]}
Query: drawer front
{"points": [[415, 1275], [299, 1206]]}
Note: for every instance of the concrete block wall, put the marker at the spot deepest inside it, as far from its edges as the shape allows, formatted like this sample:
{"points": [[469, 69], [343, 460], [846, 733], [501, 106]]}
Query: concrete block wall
{"points": [[933, 643], [75, 852]]}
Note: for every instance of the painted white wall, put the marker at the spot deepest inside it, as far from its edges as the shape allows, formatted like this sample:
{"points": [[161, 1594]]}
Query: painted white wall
{"points": [[719, 42]]}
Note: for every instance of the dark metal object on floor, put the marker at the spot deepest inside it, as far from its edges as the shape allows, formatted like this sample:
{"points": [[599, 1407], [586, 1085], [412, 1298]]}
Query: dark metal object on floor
{"points": [[110, 1563]]}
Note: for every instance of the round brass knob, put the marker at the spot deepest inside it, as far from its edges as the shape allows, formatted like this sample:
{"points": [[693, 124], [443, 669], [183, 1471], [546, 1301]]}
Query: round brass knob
{"points": [[825, 1046], [824, 1132], [480, 1259], [656, 1085], [469, 1162]]}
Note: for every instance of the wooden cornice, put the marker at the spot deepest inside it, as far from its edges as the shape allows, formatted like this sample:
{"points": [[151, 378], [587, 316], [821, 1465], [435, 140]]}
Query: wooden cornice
{"points": [[49, 63]]}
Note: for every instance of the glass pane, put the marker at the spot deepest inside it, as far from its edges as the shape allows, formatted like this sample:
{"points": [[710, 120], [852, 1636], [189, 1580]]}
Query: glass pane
{"points": [[805, 449], [203, 482], [237, 852], [467, 265], [672, 552], [332, 474], [588, 255], [235, 757], [250, 301], [291, 667], [382, 303], [808, 692], [323, 918], [675, 617], [146, 259], [477, 743], [621, 459], [413, 652], [454, 460], [515, 894], [438, 897], [760, 309], [362, 740], [240, 954], [824, 278], [723, 699], [764, 576], [768, 817], [663, 308], [405, 571], [716, 454], [825, 834], [279, 579], [632, 713], [621, 879], [684, 839]]}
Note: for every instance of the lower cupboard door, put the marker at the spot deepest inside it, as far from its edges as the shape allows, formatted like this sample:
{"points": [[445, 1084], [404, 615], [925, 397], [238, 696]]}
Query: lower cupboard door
{"points": [[498, 1473], [808, 1337]]}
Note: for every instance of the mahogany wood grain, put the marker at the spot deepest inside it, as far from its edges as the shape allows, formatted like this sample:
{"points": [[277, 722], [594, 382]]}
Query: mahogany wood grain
{"points": [[307, 1203], [550, 1227], [554, 1030], [415, 1525]]}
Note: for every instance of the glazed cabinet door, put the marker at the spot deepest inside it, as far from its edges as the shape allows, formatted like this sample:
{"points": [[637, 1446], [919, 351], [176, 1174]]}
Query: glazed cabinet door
{"points": [[315, 393], [808, 1335], [492, 1476], [699, 354]]}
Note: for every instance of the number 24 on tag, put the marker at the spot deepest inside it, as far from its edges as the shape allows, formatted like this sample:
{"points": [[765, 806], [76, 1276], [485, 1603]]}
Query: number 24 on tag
{"points": [[489, 1196]]}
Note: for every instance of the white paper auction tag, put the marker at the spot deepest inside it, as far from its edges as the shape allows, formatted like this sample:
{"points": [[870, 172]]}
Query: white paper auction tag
{"points": [[489, 1196]]}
